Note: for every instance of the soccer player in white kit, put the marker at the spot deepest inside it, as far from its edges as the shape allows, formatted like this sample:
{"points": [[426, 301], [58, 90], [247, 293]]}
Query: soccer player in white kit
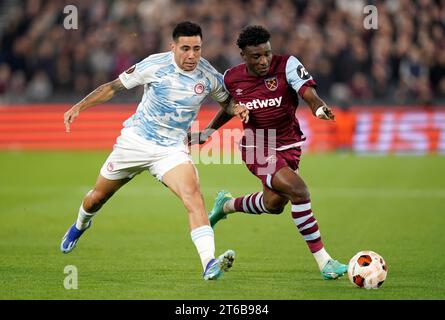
{"points": [[153, 138]]}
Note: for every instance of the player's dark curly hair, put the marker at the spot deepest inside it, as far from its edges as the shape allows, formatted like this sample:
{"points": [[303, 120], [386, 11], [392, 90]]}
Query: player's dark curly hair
{"points": [[186, 29], [252, 36]]}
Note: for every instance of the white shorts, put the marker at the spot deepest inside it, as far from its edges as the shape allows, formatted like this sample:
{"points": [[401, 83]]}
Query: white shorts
{"points": [[133, 154]]}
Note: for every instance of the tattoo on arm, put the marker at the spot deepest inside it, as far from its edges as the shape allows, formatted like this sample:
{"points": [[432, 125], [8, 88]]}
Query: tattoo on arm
{"points": [[101, 94], [117, 85], [92, 95], [228, 106]]}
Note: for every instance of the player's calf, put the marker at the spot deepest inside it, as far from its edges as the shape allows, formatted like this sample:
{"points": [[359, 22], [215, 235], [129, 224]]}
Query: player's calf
{"points": [[95, 199], [274, 205], [278, 210], [254, 203]]}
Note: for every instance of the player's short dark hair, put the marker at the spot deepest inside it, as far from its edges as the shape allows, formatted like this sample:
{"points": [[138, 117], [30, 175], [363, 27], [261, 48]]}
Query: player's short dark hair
{"points": [[186, 29], [252, 36]]}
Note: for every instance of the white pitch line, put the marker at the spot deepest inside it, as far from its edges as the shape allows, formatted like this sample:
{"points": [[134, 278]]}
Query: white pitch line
{"points": [[160, 190]]}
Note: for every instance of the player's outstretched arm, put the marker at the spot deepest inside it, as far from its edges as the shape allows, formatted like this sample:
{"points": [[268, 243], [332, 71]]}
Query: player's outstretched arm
{"points": [[202, 136], [318, 106], [229, 109], [102, 94]]}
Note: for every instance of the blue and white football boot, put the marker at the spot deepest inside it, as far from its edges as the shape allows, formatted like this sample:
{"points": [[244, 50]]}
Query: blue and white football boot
{"points": [[216, 267], [71, 238]]}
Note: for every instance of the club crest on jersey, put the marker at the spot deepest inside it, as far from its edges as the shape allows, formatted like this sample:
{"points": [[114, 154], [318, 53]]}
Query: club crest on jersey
{"points": [[271, 83], [199, 88]]}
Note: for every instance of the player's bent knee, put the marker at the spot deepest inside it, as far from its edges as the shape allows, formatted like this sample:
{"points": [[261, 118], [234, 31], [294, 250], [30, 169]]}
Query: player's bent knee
{"points": [[274, 210], [299, 194], [275, 205]]}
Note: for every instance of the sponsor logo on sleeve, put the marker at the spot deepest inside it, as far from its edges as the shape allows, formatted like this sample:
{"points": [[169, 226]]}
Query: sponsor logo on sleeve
{"points": [[302, 73], [130, 70]]}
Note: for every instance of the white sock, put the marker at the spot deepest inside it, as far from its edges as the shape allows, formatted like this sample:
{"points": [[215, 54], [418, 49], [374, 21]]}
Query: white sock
{"points": [[204, 240], [83, 218], [229, 206], [322, 257]]}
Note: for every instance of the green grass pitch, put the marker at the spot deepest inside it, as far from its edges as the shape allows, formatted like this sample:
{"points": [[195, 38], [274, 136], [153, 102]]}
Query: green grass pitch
{"points": [[140, 248]]}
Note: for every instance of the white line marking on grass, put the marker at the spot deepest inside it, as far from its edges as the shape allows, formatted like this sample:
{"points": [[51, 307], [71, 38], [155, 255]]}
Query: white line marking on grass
{"points": [[159, 190]]}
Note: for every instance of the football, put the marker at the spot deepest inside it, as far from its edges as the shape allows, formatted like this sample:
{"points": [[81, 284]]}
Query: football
{"points": [[367, 269]]}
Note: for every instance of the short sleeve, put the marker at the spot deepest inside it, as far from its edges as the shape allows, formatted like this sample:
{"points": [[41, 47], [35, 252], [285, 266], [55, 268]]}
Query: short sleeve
{"points": [[297, 76], [139, 74]]}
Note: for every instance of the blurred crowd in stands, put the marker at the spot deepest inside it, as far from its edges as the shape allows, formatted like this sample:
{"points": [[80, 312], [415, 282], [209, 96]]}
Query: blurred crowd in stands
{"points": [[401, 62]]}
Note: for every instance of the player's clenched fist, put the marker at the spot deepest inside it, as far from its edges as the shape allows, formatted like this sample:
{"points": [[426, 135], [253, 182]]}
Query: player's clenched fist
{"points": [[325, 113], [200, 137], [241, 112]]}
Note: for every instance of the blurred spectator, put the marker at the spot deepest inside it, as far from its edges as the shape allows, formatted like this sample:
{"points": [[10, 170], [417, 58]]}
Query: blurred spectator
{"points": [[39, 88], [17, 88], [5, 75], [359, 87], [437, 74], [412, 69], [403, 61]]}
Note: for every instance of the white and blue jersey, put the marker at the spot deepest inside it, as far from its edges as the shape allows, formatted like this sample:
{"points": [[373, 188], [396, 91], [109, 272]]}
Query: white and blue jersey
{"points": [[172, 97]]}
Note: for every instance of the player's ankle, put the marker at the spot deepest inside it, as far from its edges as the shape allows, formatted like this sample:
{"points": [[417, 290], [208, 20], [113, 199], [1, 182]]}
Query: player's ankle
{"points": [[229, 206], [322, 257]]}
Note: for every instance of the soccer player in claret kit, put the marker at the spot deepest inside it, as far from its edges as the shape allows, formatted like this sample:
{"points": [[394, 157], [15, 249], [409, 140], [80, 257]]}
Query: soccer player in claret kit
{"points": [[269, 85]]}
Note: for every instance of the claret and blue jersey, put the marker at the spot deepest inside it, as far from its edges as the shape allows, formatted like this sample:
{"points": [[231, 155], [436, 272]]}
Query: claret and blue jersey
{"points": [[272, 100]]}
